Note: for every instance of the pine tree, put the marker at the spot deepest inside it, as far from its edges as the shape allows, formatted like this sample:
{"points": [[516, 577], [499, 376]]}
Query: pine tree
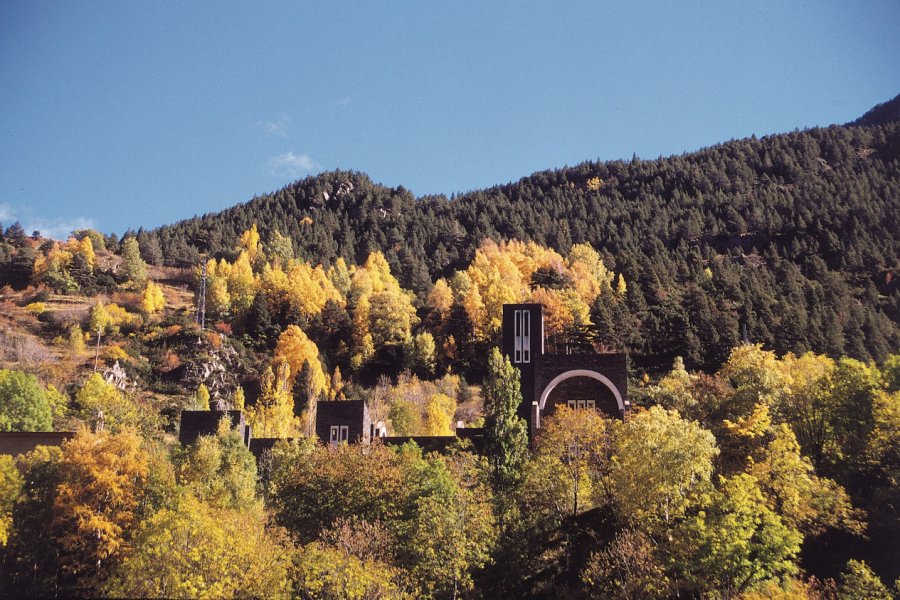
{"points": [[133, 267]]}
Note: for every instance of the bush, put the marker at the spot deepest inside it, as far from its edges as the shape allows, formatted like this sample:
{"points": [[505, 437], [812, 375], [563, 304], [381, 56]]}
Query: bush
{"points": [[114, 353], [36, 308], [24, 405]]}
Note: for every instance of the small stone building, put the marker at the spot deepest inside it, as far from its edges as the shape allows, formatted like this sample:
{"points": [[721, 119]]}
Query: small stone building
{"points": [[344, 421], [579, 381]]}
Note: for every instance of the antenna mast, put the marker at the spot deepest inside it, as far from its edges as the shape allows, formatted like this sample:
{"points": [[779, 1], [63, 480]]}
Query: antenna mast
{"points": [[201, 303]]}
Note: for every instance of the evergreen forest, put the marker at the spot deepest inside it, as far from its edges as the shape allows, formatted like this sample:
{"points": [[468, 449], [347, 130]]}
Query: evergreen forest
{"points": [[789, 240]]}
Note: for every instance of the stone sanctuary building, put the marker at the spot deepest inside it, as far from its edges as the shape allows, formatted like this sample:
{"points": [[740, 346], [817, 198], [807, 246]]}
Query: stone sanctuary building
{"points": [[579, 381]]}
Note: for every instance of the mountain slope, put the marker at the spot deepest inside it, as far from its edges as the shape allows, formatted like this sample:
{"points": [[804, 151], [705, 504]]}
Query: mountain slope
{"points": [[789, 240], [880, 114]]}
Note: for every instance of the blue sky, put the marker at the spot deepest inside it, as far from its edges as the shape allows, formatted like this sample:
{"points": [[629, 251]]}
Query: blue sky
{"points": [[120, 114]]}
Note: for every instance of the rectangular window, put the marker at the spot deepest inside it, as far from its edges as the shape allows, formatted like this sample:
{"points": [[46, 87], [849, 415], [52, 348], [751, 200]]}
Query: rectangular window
{"points": [[526, 336], [581, 404], [522, 336], [517, 333], [338, 434]]}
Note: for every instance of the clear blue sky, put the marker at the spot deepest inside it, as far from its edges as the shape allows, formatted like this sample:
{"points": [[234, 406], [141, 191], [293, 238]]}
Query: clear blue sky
{"points": [[121, 114]]}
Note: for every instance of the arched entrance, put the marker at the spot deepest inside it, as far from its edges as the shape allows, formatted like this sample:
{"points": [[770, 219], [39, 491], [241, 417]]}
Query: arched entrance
{"points": [[585, 396]]}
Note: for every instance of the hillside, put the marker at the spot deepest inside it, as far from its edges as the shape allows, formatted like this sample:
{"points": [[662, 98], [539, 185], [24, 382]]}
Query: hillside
{"points": [[788, 240], [886, 112], [736, 469]]}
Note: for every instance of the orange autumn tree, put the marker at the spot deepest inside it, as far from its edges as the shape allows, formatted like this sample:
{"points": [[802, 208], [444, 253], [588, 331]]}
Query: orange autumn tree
{"points": [[440, 298], [514, 272], [496, 280], [302, 355], [97, 501]]}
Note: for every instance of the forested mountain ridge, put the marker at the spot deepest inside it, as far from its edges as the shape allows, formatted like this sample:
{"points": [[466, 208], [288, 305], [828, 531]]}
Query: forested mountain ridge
{"points": [[788, 240], [879, 114], [754, 472]]}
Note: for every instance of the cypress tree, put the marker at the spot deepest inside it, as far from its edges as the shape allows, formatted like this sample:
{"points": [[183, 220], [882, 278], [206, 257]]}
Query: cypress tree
{"points": [[507, 440]]}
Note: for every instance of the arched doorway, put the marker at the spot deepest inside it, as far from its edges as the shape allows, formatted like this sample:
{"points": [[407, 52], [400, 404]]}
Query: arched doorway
{"points": [[582, 388]]}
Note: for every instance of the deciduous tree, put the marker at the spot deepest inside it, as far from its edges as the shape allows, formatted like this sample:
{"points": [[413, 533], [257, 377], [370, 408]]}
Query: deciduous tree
{"points": [[273, 413], [197, 551], [859, 581], [102, 476], [454, 534], [152, 300], [804, 501], [582, 442], [506, 436], [296, 349], [281, 249], [24, 405], [736, 542], [249, 243], [31, 566], [11, 483], [220, 470], [661, 463], [97, 395], [626, 569], [330, 573], [439, 415]]}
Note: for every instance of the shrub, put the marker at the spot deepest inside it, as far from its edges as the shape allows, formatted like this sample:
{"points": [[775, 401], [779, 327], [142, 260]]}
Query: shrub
{"points": [[36, 308]]}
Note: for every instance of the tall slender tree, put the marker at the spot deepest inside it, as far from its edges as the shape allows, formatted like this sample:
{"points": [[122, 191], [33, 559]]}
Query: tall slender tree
{"points": [[507, 438], [133, 267]]}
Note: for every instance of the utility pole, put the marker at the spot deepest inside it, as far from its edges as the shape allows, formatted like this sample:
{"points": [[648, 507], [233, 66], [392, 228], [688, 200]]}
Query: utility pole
{"points": [[574, 461], [201, 300], [97, 353]]}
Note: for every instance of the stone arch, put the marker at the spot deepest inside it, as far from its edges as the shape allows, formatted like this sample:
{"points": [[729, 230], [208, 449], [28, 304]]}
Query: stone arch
{"points": [[581, 373]]}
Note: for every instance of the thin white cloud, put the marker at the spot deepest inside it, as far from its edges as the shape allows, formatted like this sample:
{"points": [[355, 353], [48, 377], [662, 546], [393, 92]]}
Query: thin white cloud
{"points": [[58, 229], [277, 128], [290, 164], [345, 101], [7, 215]]}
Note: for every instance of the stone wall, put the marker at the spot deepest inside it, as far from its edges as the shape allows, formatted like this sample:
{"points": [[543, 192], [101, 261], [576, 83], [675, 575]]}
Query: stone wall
{"points": [[195, 423], [15, 443]]}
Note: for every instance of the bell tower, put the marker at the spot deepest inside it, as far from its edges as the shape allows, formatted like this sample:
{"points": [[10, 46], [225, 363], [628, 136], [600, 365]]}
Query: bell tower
{"points": [[523, 343]]}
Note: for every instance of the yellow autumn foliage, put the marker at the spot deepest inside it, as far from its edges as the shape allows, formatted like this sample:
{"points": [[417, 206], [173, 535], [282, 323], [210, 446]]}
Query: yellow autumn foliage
{"points": [[152, 300], [296, 349]]}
